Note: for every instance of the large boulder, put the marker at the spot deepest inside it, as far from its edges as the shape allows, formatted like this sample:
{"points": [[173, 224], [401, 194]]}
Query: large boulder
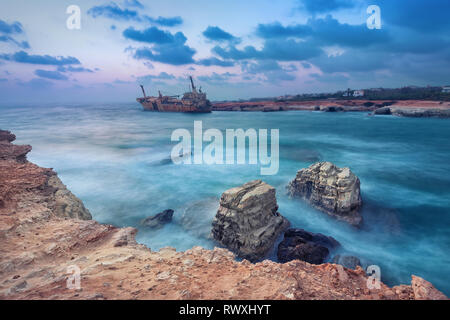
{"points": [[248, 222], [299, 244], [333, 190], [159, 220]]}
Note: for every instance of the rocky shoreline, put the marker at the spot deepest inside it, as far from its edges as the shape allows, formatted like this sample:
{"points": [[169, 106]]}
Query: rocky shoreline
{"points": [[404, 108], [45, 232]]}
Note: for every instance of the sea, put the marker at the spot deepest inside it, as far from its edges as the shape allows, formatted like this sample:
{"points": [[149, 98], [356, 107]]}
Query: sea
{"points": [[117, 159]]}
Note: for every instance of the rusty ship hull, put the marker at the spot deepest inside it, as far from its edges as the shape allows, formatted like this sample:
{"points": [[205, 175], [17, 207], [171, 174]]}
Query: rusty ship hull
{"points": [[192, 102]]}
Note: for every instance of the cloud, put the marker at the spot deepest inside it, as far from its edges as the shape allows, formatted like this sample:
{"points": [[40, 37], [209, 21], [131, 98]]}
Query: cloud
{"points": [[23, 57], [152, 35], [54, 75], [219, 35], [10, 28], [276, 30], [423, 16], [168, 48], [22, 44], [215, 62], [216, 77], [161, 76], [165, 21], [330, 31], [274, 49], [323, 6], [3, 80], [113, 11], [172, 53], [271, 69], [325, 31], [133, 4], [74, 69]]}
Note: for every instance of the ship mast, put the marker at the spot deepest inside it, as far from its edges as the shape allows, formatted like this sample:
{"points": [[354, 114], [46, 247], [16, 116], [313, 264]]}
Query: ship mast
{"points": [[193, 86], [143, 91]]}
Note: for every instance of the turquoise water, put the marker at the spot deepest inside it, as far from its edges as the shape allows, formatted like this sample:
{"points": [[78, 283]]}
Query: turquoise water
{"points": [[116, 159]]}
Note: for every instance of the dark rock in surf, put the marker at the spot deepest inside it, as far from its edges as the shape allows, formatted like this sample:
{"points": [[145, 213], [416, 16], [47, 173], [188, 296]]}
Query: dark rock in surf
{"points": [[299, 244], [159, 220]]}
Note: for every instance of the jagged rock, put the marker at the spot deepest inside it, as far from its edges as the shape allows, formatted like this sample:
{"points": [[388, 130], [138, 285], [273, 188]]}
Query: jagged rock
{"points": [[66, 204], [247, 221], [333, 190], [7, 136], [299, 244], [423, 290], [349, 262], [9, 151], [159, 220]]}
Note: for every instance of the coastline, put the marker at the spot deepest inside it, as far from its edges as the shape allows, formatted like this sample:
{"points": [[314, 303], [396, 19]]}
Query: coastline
{"points": [[55, 231], [406, 108]]}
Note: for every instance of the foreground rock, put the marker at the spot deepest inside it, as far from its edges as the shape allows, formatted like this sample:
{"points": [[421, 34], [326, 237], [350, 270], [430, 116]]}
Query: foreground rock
{"points": [[38, 246], [159, 220], [349, 262], [331, 189], [299, 244], [248, 222]]}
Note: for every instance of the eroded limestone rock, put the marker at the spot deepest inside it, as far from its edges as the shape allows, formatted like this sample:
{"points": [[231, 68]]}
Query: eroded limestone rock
{"points": [[333, 190], [248, 221]]}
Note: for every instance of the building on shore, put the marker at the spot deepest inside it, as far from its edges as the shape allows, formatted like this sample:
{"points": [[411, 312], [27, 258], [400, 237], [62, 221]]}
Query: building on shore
{"points": [[358, 93], [446, 89]]}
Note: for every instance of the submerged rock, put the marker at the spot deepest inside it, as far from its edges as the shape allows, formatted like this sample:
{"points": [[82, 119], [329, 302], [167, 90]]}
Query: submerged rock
{"points": [[159, 220], [248, 221], [333, 190], [299, 244], [349, 262]]}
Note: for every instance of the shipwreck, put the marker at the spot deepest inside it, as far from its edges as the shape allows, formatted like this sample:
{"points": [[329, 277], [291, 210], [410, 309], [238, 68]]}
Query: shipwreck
{"points": [[194, 101]]}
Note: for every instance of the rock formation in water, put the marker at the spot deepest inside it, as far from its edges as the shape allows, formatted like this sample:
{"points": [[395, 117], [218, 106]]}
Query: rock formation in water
{"points": [[349, 262], [414, 112], [306, 246], [333, 190], [248, 222], [159, 220], [41, 247]]}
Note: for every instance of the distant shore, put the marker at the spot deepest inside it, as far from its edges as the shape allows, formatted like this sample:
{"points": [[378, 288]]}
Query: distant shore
{"points": [[407, 108]]}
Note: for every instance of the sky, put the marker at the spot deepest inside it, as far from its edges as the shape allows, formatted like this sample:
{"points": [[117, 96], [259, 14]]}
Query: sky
{"points": [[233, 49]]}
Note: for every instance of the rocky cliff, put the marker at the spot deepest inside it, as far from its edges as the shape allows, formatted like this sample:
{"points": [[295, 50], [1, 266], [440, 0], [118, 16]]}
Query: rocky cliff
{"points": [[44, 237]]}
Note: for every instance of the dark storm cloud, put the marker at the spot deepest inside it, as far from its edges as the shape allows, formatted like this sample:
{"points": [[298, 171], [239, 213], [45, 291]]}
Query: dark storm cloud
{"points": [[214, 33], [24, 57]]}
